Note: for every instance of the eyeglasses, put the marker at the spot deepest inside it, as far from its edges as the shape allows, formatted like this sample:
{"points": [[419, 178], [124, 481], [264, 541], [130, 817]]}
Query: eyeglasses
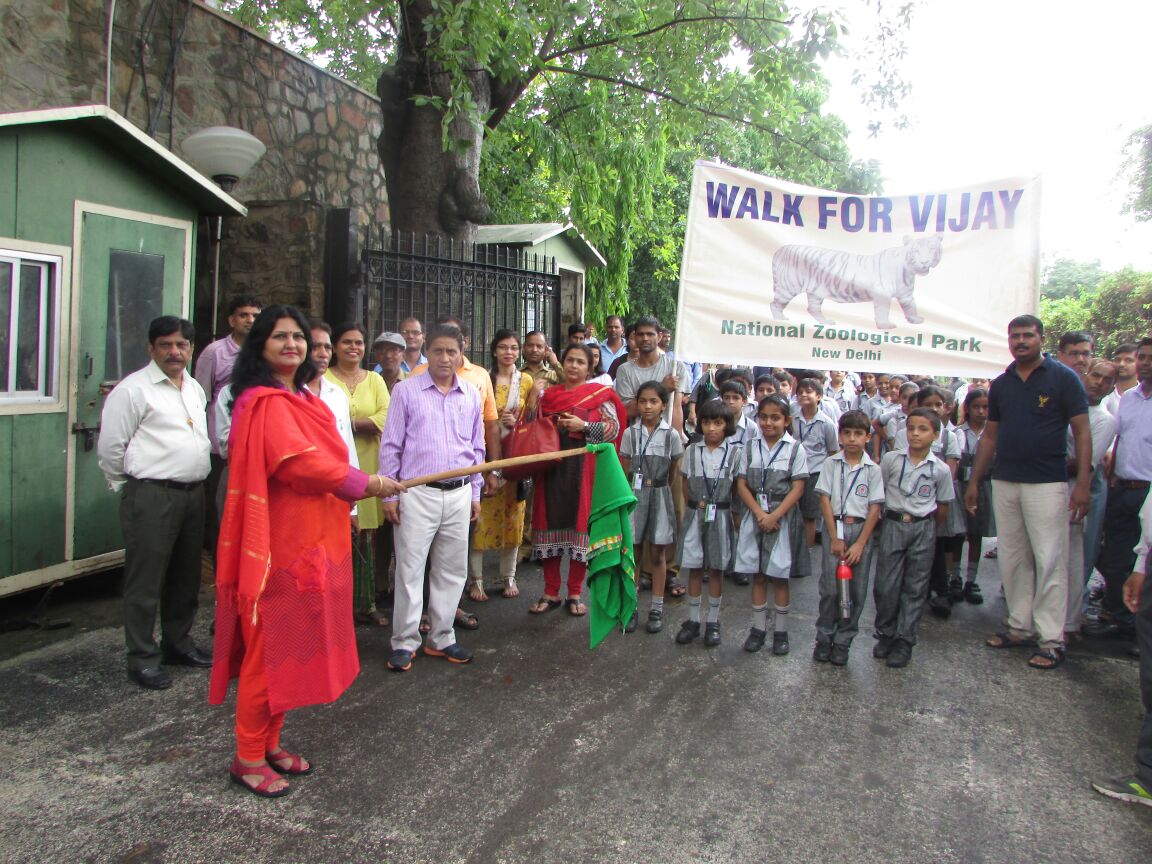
{"points": [[1080, 354], [411, 332]]}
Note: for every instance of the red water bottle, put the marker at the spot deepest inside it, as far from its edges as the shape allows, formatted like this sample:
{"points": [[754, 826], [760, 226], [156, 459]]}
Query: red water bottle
{"points": [[844, 589]]}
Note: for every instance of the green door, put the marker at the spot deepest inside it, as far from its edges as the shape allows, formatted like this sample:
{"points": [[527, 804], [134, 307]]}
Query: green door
{"points": [[130, 273]]}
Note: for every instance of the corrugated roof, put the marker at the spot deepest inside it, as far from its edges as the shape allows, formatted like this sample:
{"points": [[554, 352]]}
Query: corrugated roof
{"points": [[102, 122], [535, 233]]}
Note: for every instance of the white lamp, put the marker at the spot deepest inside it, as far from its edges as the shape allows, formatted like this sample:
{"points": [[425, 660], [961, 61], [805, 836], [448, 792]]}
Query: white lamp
{"points": [[224, 153]]}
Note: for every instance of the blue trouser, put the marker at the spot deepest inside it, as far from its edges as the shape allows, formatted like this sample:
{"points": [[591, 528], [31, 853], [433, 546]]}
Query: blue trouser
{"points": [[1117, 554], [1144, 640]]}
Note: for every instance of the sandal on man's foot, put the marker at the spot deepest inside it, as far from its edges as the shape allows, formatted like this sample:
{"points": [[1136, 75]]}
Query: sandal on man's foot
{"points": [[466, 620], [476, 592], [575, 608], [1049, 659], [265, 775], [297, 766], [1004, 639], [992, 553], [543, 605], [425, 624], [673, 588], [510, 590], [373, 617]]}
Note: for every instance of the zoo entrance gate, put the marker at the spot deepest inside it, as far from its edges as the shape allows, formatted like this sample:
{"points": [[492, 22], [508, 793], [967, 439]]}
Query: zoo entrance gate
{"points": [[487, 287]]}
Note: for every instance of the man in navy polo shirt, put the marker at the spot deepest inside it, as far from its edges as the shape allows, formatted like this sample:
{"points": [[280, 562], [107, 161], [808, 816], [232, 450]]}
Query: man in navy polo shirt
{"points": [[1030, 408]]}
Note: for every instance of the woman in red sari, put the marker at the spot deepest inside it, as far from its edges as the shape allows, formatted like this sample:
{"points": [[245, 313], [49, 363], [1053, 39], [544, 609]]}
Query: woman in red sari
{"points": [[284, 565], [585, 413]]}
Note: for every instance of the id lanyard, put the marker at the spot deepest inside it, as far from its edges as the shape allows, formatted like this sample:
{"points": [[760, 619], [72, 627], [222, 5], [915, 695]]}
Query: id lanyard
{"points": [[762, 498], [638, 477], [844, 491], [907, 493], [710, 506]]}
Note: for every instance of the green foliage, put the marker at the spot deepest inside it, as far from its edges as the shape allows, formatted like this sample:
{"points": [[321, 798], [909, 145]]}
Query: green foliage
{"points": [[1117, 309], [1065, 277], [1138, 165]]}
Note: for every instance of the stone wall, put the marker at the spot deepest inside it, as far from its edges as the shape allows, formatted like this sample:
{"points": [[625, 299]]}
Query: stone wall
{"points": [[178, 66]]}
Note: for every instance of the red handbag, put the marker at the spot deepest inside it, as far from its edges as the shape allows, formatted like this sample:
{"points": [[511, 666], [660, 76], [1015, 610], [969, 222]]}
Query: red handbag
{"points": [[530, 439]]}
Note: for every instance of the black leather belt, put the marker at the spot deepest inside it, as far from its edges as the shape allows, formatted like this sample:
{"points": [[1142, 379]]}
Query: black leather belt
{"points": [[1132, 484], [897, 516], [168, 484], [700, 505], [447, 485]]}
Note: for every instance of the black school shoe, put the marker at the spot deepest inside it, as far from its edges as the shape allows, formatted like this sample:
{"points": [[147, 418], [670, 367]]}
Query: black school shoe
{"points": [[956, 588], [755, 640], [655, 621], [972, 593], [780, 645], [712, 634], [900, 655], [839, 655], [941, 606], [689, 631], [822, 653], [883, 647]]}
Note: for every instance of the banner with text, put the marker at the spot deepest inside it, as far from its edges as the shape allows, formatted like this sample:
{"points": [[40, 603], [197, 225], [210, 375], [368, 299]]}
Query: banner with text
{"points": [[776, 274]]}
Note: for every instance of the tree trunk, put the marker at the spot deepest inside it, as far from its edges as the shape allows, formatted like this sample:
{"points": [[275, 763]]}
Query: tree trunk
{"points": [[430, 190]]}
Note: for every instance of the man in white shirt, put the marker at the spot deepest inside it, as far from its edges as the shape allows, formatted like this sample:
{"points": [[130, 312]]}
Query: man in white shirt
{"points": [[154, 446], [1125, 359]]}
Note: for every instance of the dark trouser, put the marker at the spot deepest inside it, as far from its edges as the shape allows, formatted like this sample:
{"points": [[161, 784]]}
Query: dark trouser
{"points": [[384, 547], [163, 533], [904, 561], [213, 509], [1144, 640], [1121, 534], [830, 627], [938, 578]]}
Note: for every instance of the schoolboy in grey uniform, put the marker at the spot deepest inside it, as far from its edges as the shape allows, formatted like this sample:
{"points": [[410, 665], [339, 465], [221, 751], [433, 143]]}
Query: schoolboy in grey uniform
{"points": [[917, 486], [851, 491]]}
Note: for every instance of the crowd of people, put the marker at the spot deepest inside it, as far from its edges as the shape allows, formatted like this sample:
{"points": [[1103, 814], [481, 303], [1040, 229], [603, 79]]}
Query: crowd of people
{"points": [[327, 472]]}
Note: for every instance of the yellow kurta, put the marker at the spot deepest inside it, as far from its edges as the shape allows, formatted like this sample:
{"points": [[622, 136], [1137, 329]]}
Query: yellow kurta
{"points": [[501, 523], [369, 400]]}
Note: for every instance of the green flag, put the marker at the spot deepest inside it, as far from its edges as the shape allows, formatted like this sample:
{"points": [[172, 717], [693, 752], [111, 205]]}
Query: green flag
{"points": [[611, 565]]}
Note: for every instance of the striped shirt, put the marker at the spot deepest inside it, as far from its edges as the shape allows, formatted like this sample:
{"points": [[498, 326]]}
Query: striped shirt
{"points": [[428, 431]]}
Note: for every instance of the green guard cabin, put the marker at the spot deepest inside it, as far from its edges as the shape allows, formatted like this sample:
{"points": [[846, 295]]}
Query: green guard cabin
{"points": [[98, 227]]}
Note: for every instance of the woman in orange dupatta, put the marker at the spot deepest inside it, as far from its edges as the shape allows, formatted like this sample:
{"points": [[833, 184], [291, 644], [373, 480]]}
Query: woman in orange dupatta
{"points": [[284, 561], [585, 413]]}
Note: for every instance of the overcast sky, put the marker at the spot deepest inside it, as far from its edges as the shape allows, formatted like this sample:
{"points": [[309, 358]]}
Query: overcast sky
{"points": [[1009, 87]]}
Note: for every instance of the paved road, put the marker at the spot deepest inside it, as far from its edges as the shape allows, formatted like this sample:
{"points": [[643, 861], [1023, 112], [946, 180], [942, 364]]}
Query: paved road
{"points": [[541, 751]]}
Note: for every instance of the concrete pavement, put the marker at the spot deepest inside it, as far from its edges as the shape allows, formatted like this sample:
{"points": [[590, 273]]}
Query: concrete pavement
{"points": [[543, 751]]}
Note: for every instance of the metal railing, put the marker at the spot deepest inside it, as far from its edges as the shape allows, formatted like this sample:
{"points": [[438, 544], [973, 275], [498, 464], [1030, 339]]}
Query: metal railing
{"points": [[487, 287]]}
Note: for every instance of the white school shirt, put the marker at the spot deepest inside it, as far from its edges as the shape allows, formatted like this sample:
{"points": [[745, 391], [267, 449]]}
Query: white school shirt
{"points": [[664, 441], [745, 429], [915, 489], [850, 490], [870, 405], [1103, 427], [818, 437], [151, 429]]}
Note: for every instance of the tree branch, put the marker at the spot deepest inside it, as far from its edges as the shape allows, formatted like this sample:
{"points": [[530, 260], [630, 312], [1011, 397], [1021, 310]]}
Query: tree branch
{"points": [[675, 22], [676, 100]]}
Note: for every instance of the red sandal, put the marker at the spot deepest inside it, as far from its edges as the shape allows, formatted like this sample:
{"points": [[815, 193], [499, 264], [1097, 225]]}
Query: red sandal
{"points": [[239, 771], [295, 769]]}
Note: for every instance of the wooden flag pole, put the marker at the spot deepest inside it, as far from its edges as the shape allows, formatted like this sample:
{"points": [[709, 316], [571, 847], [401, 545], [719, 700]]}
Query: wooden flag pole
{"points": [[485, 467]]}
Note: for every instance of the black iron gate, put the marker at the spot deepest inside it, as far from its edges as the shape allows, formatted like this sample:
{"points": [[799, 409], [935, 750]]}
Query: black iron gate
{"points": [[487, 287]]}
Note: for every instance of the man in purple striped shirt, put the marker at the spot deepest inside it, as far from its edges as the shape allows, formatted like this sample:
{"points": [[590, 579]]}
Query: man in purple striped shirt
{"points": [[434, 424]]}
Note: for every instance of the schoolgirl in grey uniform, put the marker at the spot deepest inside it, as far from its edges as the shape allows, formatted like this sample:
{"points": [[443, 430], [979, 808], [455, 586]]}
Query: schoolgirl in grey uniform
{"points": [[649, 453], [709, 468], [770, 482], [983, 523], [815, 431]]}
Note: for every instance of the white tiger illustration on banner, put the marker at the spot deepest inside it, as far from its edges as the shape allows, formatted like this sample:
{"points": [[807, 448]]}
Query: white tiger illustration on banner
{"points": [[776, 274]]}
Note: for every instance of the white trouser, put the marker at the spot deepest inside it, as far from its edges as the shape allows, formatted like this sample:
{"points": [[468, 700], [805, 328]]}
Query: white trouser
{"points": [[1032, 536], [432, 523]]}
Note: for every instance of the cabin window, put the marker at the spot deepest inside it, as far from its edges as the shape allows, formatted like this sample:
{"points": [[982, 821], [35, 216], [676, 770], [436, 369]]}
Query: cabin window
{"points": [[29, 327]]}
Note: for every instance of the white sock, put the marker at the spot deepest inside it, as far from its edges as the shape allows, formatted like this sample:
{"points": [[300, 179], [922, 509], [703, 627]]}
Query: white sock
{"points": [[714, 610], [781, 618], [657, 604], [760, 617], [694, 609]]}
